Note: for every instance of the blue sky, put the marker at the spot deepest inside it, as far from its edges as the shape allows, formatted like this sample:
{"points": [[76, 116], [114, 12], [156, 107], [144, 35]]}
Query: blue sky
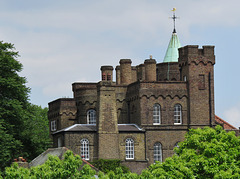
{"points": [[61, 42]]}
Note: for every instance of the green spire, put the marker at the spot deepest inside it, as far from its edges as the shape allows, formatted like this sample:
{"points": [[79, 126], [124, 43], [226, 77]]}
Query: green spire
{"points": [[174, 44], [172, 50]]}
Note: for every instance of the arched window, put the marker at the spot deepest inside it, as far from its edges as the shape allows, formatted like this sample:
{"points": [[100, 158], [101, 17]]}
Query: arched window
{"points": [[157, 153], [156, 114], [85, 149], [177, 114], [129, 148], [91, 116]]}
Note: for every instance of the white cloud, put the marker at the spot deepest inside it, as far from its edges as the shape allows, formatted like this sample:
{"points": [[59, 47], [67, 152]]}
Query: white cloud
{"points": [[232, 115]]}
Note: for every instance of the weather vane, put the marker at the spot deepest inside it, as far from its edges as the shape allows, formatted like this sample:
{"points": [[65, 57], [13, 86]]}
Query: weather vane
{"points": [[174, 17]]}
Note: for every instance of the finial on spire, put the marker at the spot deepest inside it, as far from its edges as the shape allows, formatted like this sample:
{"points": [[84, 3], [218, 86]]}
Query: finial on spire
{"points": [[174, 17]]}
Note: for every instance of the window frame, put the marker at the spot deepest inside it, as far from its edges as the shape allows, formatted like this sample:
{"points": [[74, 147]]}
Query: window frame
{"points": [[157, 152], [91, 116], [84, 149], [129, 149], [177, 114], [109, 77], [156, 114], [53, 125], [103, 76]]}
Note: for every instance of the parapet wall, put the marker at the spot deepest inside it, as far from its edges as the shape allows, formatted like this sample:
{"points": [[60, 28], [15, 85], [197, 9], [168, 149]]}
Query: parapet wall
{"points": [[204, 54]]}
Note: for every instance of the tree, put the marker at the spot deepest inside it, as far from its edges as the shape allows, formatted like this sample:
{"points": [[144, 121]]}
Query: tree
{"points": [[8, 146], [35, 136], [23, 126], [53, 168], [106, 165], [205, 153], [13, 101]]}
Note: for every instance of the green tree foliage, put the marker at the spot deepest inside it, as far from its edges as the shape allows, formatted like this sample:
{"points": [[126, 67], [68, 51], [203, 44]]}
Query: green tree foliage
{"points": [[13, 102], [35, 136], [20, 122], [107, 165], [53, 168], [205, 153], [9, 146]]}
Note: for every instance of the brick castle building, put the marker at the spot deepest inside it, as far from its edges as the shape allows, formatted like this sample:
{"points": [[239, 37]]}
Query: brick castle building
{"points": [[142, 116]]}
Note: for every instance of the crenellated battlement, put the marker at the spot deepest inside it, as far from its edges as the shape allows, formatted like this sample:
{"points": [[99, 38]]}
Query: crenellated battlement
{"points": [[62, 103], [191, 53]]}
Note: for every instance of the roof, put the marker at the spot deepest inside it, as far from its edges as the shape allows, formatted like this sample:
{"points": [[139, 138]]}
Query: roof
{"points": [[129, 128], [172, 50], [93, 128], [225, 124], [79, 127]]}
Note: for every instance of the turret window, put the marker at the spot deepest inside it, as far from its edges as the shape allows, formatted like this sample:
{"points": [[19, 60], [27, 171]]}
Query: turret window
{"points": [[156, 114], [177, 114], [103, 76], [53, 125], [91, 116], [157, 152], [129, 148], [109, 78], [85, 149]]}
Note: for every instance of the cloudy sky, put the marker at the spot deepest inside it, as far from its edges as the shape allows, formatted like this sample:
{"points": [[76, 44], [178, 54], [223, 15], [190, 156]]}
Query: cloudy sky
{"points": [[61, 42]]}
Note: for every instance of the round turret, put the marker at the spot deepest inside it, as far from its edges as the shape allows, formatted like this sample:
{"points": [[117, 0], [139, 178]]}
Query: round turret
{"points": [[150, 69], [126, 71]]}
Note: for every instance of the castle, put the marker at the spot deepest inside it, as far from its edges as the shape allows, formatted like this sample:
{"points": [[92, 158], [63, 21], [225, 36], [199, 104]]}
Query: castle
{"points": [[141, 117]]}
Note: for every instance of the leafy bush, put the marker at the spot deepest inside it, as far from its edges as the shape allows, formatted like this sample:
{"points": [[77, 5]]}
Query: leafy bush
{"points": [[53, 168], [107, 165], [205, 153]]}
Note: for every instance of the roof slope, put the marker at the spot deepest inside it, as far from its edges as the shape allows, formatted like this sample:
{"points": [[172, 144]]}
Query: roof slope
{"points": [[225, 124], [93, 128]]}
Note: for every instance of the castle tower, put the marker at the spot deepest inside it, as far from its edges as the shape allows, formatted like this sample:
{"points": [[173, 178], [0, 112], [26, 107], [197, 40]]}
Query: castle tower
{"points": [[62, 113], [196, 68], [107, 123]]}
